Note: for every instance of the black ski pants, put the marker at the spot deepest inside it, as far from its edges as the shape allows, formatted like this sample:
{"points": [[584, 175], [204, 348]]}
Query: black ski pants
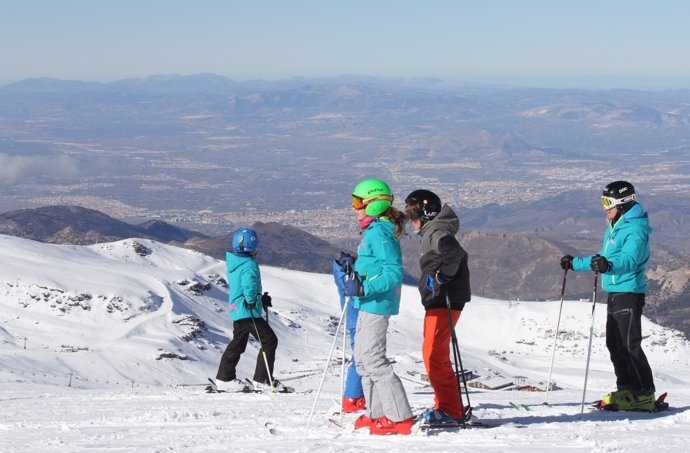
{"points": [[624, 342], [241, 330]]}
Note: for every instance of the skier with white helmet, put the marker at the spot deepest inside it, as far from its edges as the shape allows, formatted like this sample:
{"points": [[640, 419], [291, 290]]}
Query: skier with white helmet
{"points": [[622, 263]]}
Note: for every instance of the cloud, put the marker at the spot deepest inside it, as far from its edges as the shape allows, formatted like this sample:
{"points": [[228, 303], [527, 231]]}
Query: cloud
{"points": [[16, 168]]}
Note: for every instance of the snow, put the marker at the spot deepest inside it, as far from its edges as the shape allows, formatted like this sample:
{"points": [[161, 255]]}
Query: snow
{"points": [[108, 348]]}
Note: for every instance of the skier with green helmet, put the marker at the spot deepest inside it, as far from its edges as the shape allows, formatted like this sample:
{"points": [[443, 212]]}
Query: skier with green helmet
{"points": [[374, 285]]}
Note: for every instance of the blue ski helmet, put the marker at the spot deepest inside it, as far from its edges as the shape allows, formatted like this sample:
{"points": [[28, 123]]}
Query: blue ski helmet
{"points": [[245, 241]]}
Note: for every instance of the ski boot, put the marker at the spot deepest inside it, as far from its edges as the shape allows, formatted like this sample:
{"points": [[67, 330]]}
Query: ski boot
{"points": [[384, 426], [626, 400], [278, 387], [435, 417], [353, 404]]}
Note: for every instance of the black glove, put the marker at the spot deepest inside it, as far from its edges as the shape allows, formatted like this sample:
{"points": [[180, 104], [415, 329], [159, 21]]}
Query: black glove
{"points": [[266, 300], [567, 262], [599, 264]]}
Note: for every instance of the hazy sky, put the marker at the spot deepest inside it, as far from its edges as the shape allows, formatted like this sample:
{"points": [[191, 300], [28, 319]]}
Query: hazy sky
{"points": [[619, 41]]}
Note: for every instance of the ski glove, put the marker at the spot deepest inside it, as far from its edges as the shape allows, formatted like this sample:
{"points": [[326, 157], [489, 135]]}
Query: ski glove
{"points": [[567, 262], [352, 286], [433, 281], [431, 284], [346, 263], [266, 300], [599, 264]]}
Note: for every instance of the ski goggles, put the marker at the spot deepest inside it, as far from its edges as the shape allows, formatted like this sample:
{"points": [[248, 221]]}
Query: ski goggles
{"points": [[610, 202], [360, 203]]}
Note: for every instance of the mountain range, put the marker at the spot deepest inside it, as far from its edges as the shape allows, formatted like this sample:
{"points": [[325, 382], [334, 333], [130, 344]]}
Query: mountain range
{"points": [[511, 266]]}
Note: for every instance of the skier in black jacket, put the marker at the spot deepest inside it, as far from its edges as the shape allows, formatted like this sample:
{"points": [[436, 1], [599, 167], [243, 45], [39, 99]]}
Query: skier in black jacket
{"points": [[445, 281]]}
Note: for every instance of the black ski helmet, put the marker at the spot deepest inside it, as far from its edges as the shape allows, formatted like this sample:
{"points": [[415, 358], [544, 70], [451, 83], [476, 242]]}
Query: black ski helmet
{"points": [[618, 194], [422, 204]]}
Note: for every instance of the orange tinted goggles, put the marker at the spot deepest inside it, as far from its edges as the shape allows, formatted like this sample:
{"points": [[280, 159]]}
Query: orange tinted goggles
{"points": [[360, 203]]}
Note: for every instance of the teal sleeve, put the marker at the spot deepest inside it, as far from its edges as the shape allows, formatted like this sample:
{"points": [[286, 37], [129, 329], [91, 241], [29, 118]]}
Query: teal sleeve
{"points": [[582, 263]]}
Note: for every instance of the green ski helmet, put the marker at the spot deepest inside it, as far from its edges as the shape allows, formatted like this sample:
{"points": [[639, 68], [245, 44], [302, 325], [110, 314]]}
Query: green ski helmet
{"points": [[374, 195]]}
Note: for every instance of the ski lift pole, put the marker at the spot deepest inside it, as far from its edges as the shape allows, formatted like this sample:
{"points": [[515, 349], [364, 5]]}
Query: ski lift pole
{"points": [[591, 334], [555, 337]]}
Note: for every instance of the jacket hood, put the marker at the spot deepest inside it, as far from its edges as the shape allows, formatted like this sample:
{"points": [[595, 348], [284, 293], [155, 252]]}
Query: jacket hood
{"points": [[635, 215], [446, 220], [635, 212], [233, 261]]}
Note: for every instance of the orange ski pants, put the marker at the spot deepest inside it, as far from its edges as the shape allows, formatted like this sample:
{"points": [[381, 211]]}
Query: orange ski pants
{"points": [[436, 354]]}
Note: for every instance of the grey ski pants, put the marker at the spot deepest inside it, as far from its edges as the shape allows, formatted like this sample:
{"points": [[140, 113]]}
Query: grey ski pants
{"points": [[383, 390]]}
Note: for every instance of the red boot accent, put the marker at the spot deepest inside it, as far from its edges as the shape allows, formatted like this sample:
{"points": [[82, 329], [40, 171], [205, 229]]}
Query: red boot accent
{"points": [[363, 421], [385, 426], [353, 404]]}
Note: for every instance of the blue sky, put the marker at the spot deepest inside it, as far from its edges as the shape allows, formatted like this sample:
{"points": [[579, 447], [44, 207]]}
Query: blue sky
{"points": [[539, 42]]}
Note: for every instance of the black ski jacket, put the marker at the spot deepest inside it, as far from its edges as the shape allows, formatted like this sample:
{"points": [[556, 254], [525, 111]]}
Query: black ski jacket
{"points": [[441, 251]]}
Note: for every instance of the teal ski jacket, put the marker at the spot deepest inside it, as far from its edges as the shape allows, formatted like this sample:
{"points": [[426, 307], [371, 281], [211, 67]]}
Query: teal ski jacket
{"points": [[244, 282], [626, 247], [380, 269]]}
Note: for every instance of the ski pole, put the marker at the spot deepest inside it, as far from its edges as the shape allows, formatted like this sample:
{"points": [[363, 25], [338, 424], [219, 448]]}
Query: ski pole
{"points": [[342, 365], [263, 354], [591, 334], [555, 337], [325, 369], [457, 360]]}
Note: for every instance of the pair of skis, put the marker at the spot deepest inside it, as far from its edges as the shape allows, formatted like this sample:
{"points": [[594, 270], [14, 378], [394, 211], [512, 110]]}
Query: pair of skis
{"points": [[248, 388], [470, 424], [659, 405]]}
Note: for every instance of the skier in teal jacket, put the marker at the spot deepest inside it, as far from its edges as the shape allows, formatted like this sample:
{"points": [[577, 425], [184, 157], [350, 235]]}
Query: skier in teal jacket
{"points": [[375, 286], [622, 263], [626, 249], [246, 304], [379, 266]]}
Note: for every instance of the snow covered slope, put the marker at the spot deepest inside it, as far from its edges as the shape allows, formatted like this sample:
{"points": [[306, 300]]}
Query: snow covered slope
{"points": [[109, 346]]}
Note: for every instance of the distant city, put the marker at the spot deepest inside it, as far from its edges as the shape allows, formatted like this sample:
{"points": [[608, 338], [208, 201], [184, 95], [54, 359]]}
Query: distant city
{"points": [[211, 159]]}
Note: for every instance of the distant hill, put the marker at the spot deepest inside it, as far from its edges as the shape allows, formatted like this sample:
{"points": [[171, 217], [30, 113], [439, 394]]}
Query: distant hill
{"points": [[669, 294], [281, 245], [83, 226]]}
